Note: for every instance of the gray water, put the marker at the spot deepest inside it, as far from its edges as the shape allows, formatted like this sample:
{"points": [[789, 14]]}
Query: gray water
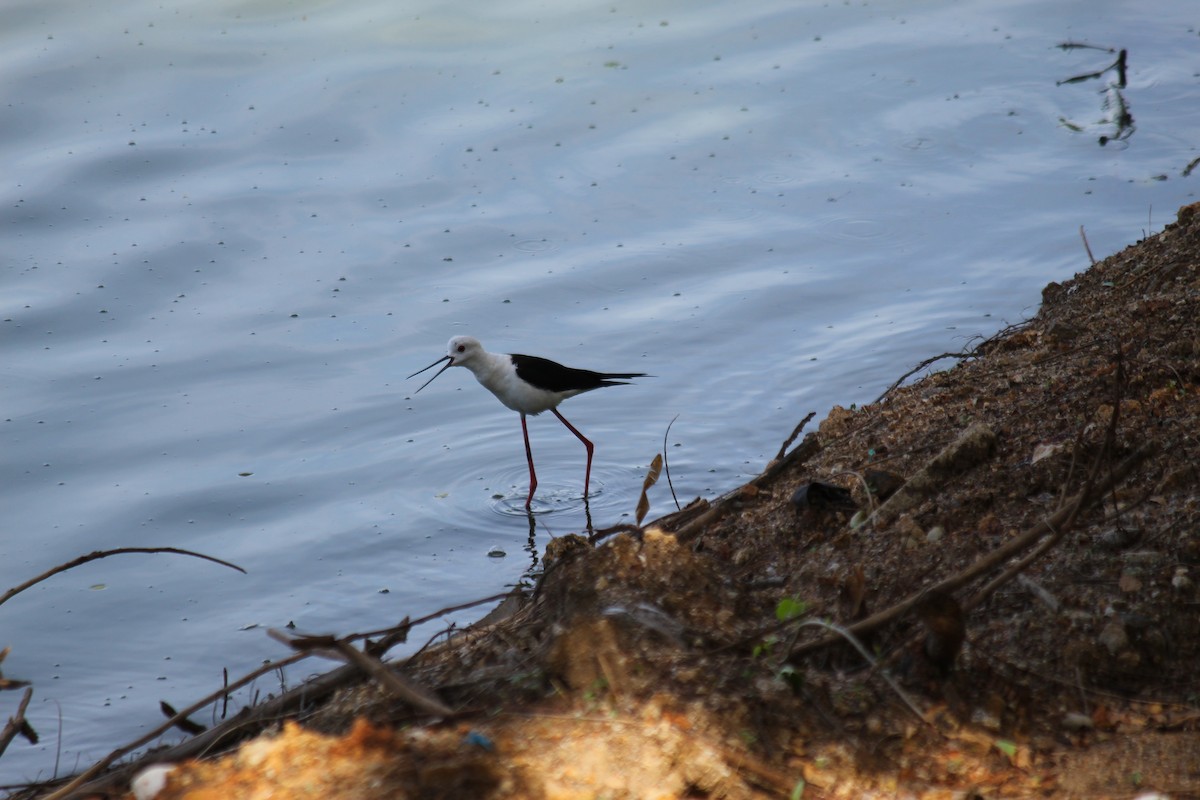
{"points": [[230, 229]]}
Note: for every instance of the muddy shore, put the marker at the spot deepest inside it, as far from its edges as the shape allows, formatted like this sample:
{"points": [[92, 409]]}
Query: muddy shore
{"points": [[982, 585]]}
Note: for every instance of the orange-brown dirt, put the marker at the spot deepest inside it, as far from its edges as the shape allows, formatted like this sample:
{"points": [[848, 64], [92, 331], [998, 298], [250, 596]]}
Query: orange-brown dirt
{"points": [[690, 659]]}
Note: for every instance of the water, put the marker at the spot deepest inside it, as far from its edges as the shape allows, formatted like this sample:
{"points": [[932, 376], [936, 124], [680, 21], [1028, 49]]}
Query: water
{"points": [[231, 229]]}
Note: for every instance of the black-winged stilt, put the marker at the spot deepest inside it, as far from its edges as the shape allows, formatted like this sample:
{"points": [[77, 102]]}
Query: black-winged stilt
{"points": [[528, 385]]}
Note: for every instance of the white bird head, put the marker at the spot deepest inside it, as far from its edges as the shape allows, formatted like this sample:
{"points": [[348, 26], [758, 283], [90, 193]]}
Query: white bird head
{"points": [[460, 351]]}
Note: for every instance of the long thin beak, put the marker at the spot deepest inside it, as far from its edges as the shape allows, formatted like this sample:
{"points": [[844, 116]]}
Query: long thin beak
{"points": [[431, 366]]}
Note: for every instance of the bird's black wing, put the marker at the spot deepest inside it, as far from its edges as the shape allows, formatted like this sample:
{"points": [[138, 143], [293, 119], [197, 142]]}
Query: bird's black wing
{"points": [[554, 377]]}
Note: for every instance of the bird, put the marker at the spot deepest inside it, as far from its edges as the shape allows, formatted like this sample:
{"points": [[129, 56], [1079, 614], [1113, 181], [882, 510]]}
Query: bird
{"points": [[528, 385]]}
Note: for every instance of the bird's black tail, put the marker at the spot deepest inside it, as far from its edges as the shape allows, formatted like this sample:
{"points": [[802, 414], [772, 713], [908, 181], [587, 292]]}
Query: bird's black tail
{"points": [[607, 378]]}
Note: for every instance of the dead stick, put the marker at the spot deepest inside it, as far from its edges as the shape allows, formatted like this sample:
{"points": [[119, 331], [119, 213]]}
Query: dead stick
{"points": [[408, 624], [795, 432], [1016, 569], [927, 362], [123, 750], [697, 525], [1059, 522], [306, 693], [105, 554], [807, 448], [397, 684], [1086, 246], [15, 722]]}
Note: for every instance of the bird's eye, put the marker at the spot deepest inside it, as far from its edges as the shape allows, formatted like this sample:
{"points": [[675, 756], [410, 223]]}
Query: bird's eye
{"points": [[462, 348]]}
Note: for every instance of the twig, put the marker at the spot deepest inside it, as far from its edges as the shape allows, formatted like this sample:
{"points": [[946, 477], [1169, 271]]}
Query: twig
{"points": [[398, 685], [980, 597], [102, 764], [852, 639], [105, 554], [427, 618], [374, 668], [190, 727], [807, 448], [305, 693], [16, 723], [1040, 592], [795, 432], [974, 352], [927, 362], [667, 462], [698, 524], [1056, 524], [1086, 246]]}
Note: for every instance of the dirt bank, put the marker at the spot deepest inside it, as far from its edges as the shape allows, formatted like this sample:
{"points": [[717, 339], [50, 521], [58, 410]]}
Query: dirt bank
{"points": [[1017, 549]]}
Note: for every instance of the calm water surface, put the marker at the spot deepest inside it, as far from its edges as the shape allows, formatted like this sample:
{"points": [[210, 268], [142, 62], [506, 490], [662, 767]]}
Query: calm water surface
{"points": [[230, 229]]}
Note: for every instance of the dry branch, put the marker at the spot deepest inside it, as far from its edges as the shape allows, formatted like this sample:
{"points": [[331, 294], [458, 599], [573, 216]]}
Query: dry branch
{"points": [[209, 737], [248, 721], [974, 445], [408, 691], [1056, 525], [396, 684], [16, 723], [98, 554]]}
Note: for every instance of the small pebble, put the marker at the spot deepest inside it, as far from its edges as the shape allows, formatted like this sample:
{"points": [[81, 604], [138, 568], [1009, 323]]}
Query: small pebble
{"points": [[1074, 721], [150, 781]]}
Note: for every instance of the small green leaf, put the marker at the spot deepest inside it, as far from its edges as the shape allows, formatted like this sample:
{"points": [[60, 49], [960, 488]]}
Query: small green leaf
{"points": [[1008, 748], [789, 608], [798, 792], [764, 647]]}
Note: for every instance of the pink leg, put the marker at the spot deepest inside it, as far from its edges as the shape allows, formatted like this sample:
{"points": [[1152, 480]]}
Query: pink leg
{"points": [[588, 475], [529, 457]]}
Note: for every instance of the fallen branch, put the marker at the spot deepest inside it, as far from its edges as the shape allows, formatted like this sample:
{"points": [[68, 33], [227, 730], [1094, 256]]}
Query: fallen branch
{"points": [[105, 554], [807, 448], [397, 684], [213, 733], [391, 681], [1056, 525], [792, 437], [974, 445], [248, 721]]}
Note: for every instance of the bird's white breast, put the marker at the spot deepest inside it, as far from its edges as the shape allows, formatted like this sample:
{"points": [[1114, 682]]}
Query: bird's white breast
{"points": [[499, 376]]}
